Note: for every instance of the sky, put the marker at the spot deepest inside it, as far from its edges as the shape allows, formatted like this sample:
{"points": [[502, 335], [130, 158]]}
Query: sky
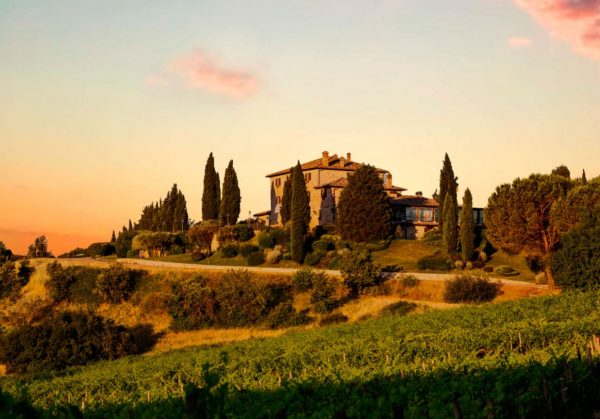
{"points": [[105, 104]]}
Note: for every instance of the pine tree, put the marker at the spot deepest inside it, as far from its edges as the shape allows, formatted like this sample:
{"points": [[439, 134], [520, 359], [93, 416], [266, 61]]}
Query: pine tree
{"points": [[467, 227], [450, 237], [230, 202], [113, 238], [210, 194], [364, 213], [286, 200], [300, 215], [448, 185], [583, 178]]}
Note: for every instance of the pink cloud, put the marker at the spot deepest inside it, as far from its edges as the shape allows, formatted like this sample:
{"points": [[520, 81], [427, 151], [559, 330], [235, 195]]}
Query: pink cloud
{"points": [[574, 21], [204, 72], [518, 42]]}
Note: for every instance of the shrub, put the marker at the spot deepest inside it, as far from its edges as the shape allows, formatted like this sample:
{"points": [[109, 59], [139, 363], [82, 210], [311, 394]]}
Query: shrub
{"points": [[287, 256], [76, 284], [101, 249], [469, 265], [505, 270], [12, 280], [470, 289], [66, 339], [303, 279], [336, 263], [284, 315], [192, 304], [255, 259], [176, 250], [458, 264], [272, 256], [313, 258], [437, 262], [242, 232], [241, 301], [577, 263], [124, 242], [433, 237], [271, 237], [335, 318], [229, 251], [198, 255], [322, 296], [323, 246], [401, 308], [409, 281], [226, 236], [117, 283], [379, 245], [535, 263], [359, 271], [245, 249], [133, 253]]}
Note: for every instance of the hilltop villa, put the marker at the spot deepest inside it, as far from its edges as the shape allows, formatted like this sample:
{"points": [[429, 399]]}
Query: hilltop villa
{"points": [[327, 176]]}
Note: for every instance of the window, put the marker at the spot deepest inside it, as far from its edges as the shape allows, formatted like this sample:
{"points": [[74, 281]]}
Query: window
{"points": [[426, 214], [307, 177], [278, 182], [411, 214]]}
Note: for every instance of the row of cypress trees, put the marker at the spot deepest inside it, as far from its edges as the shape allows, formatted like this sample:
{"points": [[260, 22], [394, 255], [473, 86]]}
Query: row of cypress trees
{"points": [[217, 204], [448, 222], [169, 214]]}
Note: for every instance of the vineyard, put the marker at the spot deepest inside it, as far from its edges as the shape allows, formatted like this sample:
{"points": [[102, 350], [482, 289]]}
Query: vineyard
{"points": [[534, 357]]}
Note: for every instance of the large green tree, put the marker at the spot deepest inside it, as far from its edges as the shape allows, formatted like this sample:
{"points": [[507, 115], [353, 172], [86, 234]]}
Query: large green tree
{"points": [[39, 248], [231, 199], [286, 200], [210, 194], [519, 218], [364, 213], [467, 227], [562, 170], [576, 264], [450, 232], [448, 186], [300, 216]]}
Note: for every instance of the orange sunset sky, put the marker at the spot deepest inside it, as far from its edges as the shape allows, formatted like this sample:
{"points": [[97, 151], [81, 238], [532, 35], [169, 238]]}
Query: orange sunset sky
{"points": [[105, 105]]}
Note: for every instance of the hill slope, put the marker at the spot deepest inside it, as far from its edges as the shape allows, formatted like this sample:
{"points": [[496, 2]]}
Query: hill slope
{"points": [[509, 357]]}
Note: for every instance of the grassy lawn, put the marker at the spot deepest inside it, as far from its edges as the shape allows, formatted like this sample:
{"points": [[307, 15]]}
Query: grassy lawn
{"points": [[404, 253], [516, 261], [215, 259]]}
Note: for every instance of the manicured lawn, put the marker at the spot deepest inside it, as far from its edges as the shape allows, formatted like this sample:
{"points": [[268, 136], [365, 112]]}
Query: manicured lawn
{"points": [[516, 261], [404, 253]]}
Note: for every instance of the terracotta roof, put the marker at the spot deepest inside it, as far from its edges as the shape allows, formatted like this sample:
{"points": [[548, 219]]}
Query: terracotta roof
{"points": [[415, 200], [258, 214], [334, 164], [343, 182]]}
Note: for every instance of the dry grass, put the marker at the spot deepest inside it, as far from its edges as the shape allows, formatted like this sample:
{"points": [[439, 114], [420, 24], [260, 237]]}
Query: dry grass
{"points": [[177, 340]]}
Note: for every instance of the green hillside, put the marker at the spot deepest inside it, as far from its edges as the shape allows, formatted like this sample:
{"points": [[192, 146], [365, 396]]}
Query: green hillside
{"points": [[510, 357]]}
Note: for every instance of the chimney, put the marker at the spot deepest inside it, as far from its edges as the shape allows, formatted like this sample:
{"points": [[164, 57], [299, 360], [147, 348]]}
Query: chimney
{"points": [[342, 161], [388, 181], [325, 158], [419, 193], [349, 157]]}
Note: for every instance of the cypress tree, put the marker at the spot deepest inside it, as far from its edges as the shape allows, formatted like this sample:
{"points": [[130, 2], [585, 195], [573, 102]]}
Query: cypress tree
{"points": [[467, 227], [300, 215], [583, 178], [448, 185], [286, 199], [210, 194], [364, 213], [113, 238], [450, 225], [230, 201], [218, 189], [130, 225]]}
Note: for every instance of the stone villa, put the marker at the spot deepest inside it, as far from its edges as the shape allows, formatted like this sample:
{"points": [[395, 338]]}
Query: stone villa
{"points": [[325, 179]]}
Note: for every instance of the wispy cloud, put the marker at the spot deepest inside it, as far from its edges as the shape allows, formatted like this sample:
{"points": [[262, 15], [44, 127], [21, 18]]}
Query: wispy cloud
{"points": [[574, 21], [519, 42], [156, 81], [202, 71]]}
